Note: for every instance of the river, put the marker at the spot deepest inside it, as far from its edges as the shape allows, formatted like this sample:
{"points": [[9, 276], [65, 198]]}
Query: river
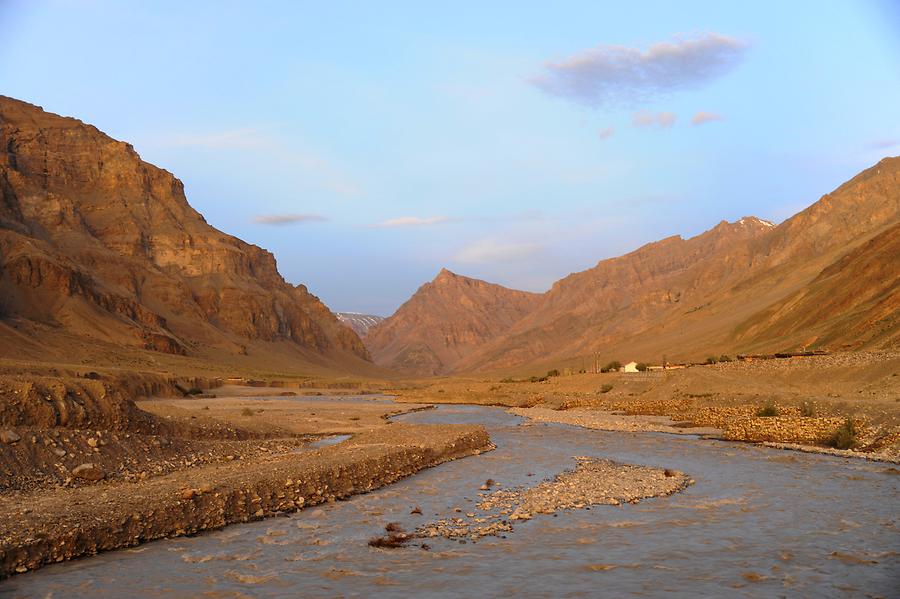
{"points": [[759, 522]]}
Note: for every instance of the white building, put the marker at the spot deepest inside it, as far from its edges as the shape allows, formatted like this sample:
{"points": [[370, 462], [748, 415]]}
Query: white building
{"points": [[630, 367]]}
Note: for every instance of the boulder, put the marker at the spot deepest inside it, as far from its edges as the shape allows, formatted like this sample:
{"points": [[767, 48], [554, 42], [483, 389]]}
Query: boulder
{"points": [[88, 471]]}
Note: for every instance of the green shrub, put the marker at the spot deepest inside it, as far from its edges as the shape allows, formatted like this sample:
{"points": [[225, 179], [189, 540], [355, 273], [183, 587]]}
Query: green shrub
{"points": [[612, 366], [711, 360], [724, 358], [537, 379], [845, 436], [246, 412], [606, 388], [808, 409], [553, 372], [642, 367], [769, 411]]}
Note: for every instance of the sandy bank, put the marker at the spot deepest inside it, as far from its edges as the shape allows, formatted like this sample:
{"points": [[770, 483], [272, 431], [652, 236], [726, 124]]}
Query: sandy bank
{"points": [[56, 525], [611, 421]]}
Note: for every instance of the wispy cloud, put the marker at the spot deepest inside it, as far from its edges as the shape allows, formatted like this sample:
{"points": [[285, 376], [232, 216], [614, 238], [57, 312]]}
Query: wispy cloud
{"points": [[706, 117], [234, 139], [288, 219], [621, 76], [883, 144], [490, 250], [663, 120], [314, 167], [606, 132], [412, 221]]}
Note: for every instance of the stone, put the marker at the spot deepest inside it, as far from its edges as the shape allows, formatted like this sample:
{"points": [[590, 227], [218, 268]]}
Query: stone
{"points": [[9, 436], [88, 471]]}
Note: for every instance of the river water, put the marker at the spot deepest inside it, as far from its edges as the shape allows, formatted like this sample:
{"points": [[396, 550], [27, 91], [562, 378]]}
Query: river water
{"points": [[758, 522]]}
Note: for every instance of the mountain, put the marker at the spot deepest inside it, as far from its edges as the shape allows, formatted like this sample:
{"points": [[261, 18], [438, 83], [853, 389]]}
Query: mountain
{"points": [[738, 287], [444, 321], [828, 277], [98, 245], [360, 323]]}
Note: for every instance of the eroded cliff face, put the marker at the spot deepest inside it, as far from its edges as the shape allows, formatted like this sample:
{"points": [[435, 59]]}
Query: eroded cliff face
{"points": [[98, 242]]}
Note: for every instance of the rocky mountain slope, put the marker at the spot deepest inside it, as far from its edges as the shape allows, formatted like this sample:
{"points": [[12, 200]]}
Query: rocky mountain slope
{"points": [[829, 277], [97, 244], [444, 321], [360, 323]]}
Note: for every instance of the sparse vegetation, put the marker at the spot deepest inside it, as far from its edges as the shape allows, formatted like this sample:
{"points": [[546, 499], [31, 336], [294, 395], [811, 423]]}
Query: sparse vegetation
{"points": [[537, 379], [724, 358], [711, 360], [808, 409], [845, 437], [606, 388], [553, 372], [613, 366], [768, 411], [508, 380], [246, 412], [642, 367]]}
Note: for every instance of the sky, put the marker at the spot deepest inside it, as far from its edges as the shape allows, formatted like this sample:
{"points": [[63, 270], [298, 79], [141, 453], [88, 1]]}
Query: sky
{"points": [[368, 145]]}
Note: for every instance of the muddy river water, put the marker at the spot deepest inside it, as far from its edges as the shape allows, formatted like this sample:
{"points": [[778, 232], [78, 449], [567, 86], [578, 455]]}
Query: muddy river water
{"points": [[758, 522]]}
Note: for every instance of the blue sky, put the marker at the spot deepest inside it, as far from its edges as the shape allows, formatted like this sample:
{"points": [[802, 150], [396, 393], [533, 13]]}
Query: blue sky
{"points": [[370, 144]]}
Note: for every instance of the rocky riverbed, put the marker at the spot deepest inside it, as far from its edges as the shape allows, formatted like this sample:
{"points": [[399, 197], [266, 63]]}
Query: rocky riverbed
{"points": [[592, 482]]}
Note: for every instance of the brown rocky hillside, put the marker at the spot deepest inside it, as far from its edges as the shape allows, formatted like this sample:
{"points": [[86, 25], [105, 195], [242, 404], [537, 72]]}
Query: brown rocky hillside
{"points": [[98, 245], [444, 321], [825, 278]]}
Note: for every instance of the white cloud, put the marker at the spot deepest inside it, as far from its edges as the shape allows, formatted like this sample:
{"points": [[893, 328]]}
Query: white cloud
{"points": [[606, 132], [288, 219], [412, 221], [663, 120], [706, 117], [621, 76], [490, 250]]}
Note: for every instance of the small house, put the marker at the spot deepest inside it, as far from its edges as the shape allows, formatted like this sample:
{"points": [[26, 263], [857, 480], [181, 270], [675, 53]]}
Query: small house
{"points": [[630, 367]]}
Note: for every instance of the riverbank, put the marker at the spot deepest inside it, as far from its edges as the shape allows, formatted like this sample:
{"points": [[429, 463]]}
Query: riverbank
{"points": [[46, 527], [847, 400], [612, 421]]}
